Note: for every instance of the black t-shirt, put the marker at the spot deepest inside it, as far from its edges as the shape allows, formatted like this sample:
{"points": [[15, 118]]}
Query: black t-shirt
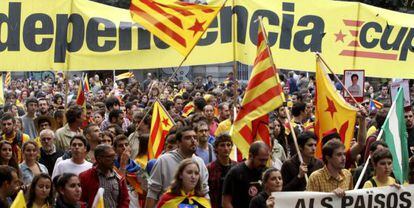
{"points": [[242, 184], [410, 141]]}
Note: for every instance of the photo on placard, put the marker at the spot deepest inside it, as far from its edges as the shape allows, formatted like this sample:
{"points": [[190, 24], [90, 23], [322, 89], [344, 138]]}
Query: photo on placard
{"points": [[354, 83]]}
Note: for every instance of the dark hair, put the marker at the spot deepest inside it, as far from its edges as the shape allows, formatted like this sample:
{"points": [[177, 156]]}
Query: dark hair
{"points": [[330, 136], [114, 114], [8, 107], [129, 105], [118, 139], [380, 117], [177, 97], [32, 194], [177, 183], [13, 161], [74, 112], [110, 102], [83, 139], [304, 137], [63, 179], [108, 134], [281, 138], [199, 124], [375, 144], [180, 131], [200, 103], [354, 75], [255, 148], [380, 154], [329, 148], [143, 144], [224, 137], [58, 113], [101, 149], [6, 173], [8, 116], [297, 108], [31, 100]]}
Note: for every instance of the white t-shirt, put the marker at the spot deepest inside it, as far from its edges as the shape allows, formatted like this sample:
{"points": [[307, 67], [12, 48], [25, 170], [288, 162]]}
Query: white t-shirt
{"points": [[68, 166]]}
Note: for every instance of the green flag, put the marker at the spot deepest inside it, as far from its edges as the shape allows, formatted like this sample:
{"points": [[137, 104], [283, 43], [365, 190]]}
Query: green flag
{"points": [[395, 134]]}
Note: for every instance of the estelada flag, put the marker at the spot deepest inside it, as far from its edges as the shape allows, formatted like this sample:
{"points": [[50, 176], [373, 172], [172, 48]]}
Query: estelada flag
{"points": [[161, 123], [263, 95], [179, 24], [332, 112]]}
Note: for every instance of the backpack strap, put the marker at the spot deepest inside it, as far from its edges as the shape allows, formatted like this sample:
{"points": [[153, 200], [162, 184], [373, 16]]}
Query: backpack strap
{"points": [[374, 184]]}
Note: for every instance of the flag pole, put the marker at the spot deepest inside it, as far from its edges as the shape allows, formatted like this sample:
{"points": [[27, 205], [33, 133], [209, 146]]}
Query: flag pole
{"points": [[235, 71], [176, 70], [295, 141], [378, 138], [336, 77]]}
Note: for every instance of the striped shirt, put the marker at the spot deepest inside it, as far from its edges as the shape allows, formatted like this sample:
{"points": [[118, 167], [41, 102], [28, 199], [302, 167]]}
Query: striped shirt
{"points": [[110, 183]]}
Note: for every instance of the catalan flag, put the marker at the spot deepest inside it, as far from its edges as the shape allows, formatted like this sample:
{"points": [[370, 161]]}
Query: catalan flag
{"points": [[86, 83], [331, 111], [7, 81], [161, 123], [263, 94], [125, 75], [177, 23], [188, 109]]}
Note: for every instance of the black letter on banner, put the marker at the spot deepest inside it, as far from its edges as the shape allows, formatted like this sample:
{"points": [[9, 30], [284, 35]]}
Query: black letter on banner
{"points": [[397, 42], [407, 45], [273, 20], [392, 200], [300, 203], [347, 201], [363, 36], [225, 25], [211, 37], [287, 25], [242, 15], [144, 39], [30, 32], [325, 202], [378, 199], [160, 44], [13, 27], [360, 203], [316, 34], [405, 197], [93, 33], [76, 38], [125, 36]]}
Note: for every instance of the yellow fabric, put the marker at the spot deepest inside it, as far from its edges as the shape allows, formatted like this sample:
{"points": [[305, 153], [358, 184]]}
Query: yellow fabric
{"points": [[142, 160], [19, 201], [161, 123], [174, 27], [322, 181], [125, 75], [174, 202], [332, 111], [8, 79], [223, 127], [371, 130], [390, 181], [1, 90], [263, 94]]}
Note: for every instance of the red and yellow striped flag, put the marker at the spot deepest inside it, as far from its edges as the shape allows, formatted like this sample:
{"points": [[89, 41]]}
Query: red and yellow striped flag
{"points": [[179, 24], [125, 75], [332, 112], [161, 123], [86, 83], [7, 81], [263, 94], [188, 109], [81, 97]]}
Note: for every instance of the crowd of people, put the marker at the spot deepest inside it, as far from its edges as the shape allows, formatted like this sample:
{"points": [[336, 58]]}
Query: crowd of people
{"points": [[60, 153]]}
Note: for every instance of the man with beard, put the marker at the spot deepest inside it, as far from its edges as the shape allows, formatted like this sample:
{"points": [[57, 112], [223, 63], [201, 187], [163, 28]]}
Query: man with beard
{"points": [[43, 108], [48, 151], [9, 184], [167, 164], [242, 182], [204, 150], [333, 177]]}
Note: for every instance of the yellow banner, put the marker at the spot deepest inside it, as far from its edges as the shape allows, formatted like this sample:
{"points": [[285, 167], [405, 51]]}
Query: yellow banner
{"points": [[84, 35]]}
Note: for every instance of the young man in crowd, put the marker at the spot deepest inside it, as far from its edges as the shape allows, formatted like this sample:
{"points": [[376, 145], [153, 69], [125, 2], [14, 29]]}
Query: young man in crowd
{"points": [[28, 119], [74, 118]]}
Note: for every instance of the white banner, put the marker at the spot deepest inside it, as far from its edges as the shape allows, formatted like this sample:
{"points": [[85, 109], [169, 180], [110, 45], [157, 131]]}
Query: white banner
{"points": [[384, 197]]}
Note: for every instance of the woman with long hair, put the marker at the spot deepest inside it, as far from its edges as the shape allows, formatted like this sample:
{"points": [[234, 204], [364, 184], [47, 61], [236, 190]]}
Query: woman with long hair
{"points": [[30, 167], [7, 157], [272, 181], [41, 193], [69, 191], [278, 142], [185, 190]]}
